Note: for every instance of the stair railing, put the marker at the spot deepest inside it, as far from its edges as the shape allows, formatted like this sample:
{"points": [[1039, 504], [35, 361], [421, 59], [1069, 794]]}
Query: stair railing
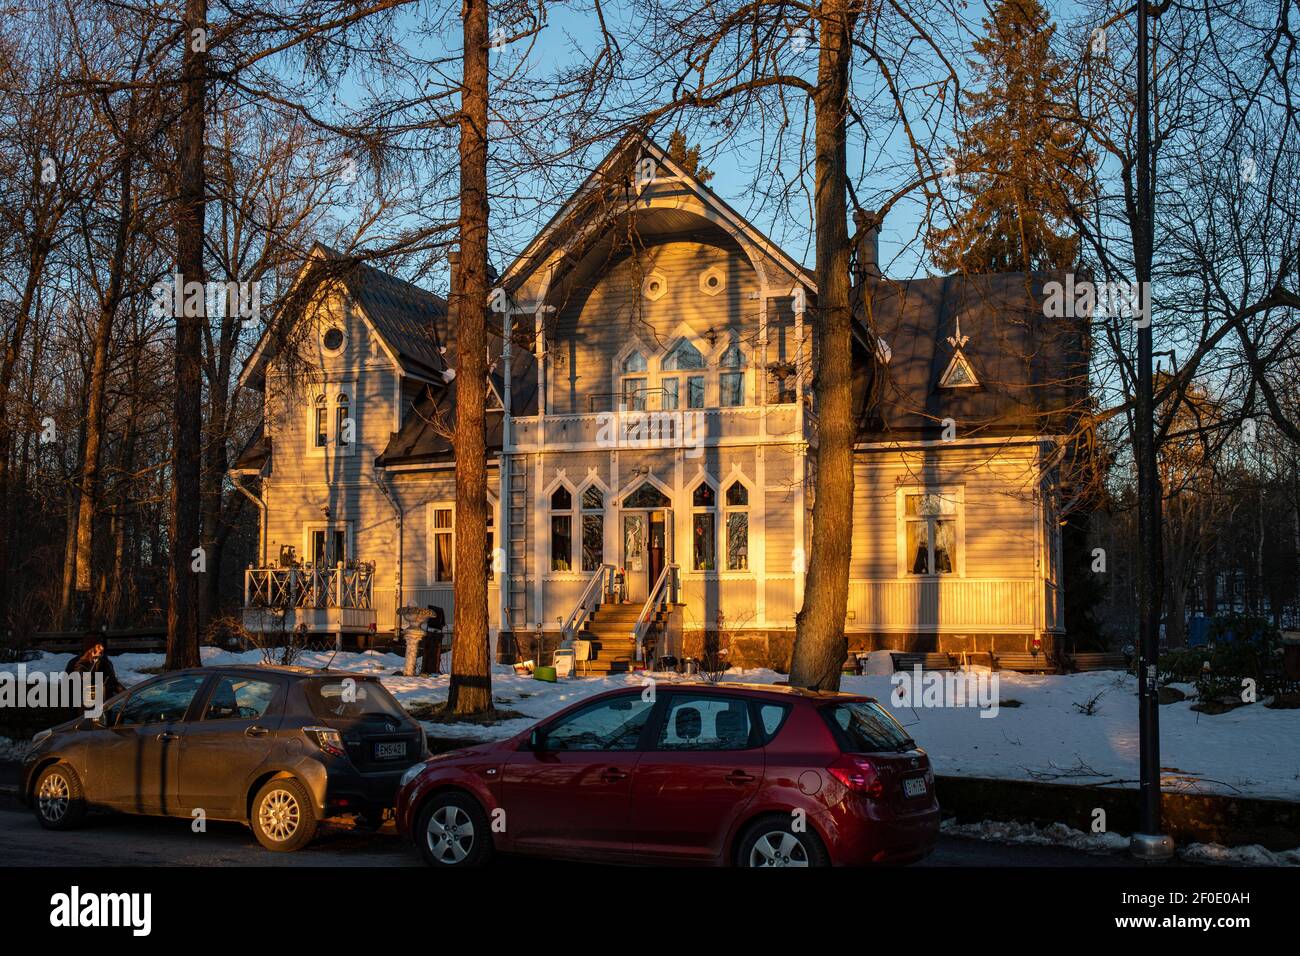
{"points": [[667, 590], [598, 585]]}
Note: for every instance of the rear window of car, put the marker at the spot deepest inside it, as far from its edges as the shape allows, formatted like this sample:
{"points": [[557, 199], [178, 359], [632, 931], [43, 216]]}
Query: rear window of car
{"points": [[865, 727], [770, 719], [348, 698]]}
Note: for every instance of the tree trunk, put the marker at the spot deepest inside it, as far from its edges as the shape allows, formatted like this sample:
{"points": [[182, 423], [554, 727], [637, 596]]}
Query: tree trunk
{"points": [[470, 690], [187, 426], [820, 644], [89, 501]]}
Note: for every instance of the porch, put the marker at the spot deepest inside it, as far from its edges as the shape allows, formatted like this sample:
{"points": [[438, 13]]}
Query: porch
{"points": [[317, 599]]}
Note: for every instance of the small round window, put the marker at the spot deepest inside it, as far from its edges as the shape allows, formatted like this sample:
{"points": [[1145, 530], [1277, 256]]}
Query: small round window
{"points": [[332, 339]]}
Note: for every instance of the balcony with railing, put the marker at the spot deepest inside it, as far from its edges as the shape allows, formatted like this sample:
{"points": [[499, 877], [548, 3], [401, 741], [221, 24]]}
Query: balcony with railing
{"points": [[322, 599]]}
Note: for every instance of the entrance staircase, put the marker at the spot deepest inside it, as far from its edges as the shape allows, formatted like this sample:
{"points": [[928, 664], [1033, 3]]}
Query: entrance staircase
{"points": [[609, 628]]}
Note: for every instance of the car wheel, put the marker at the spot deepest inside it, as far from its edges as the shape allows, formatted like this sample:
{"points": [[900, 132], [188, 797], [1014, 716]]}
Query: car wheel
{"points": [[284, 819], [58, 799], [774, 841], [453, 831]]}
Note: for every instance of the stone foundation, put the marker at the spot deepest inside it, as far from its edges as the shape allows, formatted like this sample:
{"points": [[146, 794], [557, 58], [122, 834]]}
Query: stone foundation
{"points": [[773, 648]]}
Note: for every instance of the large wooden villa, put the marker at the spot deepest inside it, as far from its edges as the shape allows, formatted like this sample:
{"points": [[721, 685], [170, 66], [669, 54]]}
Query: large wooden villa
{"points": [[652, 441]]}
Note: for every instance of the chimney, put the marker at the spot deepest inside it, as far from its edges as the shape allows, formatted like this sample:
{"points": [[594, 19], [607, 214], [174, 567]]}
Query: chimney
{"points": [[868, 251]]}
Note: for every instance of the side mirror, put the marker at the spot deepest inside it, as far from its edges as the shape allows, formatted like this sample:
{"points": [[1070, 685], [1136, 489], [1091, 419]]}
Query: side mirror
{"points": [[537, 740]]}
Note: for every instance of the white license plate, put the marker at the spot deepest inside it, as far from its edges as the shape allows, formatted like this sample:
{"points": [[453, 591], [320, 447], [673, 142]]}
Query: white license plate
{"points": [[914, 787], [390, 751]]}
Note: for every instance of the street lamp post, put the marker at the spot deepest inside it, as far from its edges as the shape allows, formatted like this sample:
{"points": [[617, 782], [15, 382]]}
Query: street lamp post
{"points": [[1149, 843]]}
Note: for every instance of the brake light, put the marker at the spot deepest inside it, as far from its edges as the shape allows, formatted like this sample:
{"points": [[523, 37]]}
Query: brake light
{"points": [[327, 739], [859, 775]]}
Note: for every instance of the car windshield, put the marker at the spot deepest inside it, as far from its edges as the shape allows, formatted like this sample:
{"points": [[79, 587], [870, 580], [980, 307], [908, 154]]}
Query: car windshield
{"points": [[866, 727], [351, 699]]}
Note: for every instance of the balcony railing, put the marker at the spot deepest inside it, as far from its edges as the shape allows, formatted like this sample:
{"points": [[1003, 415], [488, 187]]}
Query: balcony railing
{"points": [[310, 586]]}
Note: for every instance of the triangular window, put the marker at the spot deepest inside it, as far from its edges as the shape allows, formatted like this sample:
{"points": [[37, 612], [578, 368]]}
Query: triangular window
{"points": [[959, 374]]}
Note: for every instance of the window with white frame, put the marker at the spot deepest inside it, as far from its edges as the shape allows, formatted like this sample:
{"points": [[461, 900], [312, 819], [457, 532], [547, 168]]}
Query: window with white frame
{"points": [[682, 378], [931, 531], [332, 421], [731, 376], [704, 540], [593, 528], [561, 529], [442, 536], [634, 382], [737, 525], [344, 429], [321, 422], [326, 544]]}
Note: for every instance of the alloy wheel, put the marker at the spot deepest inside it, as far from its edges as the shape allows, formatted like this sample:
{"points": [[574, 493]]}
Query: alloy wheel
{"points": [[279, 815], [778, 848], [450, 834], [53, 797]]}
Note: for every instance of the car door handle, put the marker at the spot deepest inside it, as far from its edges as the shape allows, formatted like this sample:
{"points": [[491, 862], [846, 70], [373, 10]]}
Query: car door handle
{"points": [[739, 777], [612, 775], [256, 731], [167, 736]]}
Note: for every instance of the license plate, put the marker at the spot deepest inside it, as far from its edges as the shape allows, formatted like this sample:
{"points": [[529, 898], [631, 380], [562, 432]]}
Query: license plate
{"points": [[390, 751], [914, 787]]}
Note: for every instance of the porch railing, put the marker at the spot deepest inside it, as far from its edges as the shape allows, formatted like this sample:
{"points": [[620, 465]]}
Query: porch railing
{"points": [[667, 590], [313, 586], [598, 585]]}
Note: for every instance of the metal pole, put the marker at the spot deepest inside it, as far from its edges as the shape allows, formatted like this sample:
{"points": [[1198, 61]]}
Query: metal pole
{"points": [[1148, 844]]}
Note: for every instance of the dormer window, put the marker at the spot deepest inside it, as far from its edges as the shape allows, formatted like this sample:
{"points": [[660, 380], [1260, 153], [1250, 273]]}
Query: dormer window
{"points": [[958, 374]]}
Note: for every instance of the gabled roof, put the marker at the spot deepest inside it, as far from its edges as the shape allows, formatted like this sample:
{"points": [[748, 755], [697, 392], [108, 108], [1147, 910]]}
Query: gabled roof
{"points": [[615, 166], [422, 438], [410, 322], [1031, 370]]}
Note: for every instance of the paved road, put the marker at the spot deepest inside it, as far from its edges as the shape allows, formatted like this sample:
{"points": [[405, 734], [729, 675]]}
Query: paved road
{"points": [[138, 841]]}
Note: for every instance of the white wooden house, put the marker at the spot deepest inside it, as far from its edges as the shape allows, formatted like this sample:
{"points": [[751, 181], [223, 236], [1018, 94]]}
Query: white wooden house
{"points": [[653, 424]]}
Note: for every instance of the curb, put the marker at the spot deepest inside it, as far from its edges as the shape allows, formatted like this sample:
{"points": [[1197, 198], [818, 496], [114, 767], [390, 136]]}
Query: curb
{"points": [[1188, 818]]}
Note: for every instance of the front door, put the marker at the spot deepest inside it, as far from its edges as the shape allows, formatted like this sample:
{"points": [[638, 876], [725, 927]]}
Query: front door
{"points": [[636, 560]]}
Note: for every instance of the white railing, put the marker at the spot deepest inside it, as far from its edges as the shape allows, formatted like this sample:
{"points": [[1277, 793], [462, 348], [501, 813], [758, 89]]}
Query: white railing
{"points": [[598, 586], [312, 586], [667, 590]]}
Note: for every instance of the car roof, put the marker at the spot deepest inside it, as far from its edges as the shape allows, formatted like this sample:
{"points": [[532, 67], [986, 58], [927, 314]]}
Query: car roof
{"points": [[289, 670], [776, 691]]}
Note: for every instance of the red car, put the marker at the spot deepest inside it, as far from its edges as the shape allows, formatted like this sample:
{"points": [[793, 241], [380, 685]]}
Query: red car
{"points": [[743, 774]]}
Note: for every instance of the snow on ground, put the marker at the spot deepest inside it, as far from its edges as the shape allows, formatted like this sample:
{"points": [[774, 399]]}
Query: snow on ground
{"points": [[1058, 834], [1248, 751]]}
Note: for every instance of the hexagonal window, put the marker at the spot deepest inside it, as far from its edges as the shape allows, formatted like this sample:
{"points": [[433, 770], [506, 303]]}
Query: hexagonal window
{"points": [[712, 280], [654, 286]]}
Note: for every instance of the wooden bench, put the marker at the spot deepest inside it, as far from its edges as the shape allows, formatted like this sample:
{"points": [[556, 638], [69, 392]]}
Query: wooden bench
{"points": [[1022, 662], [927, 662], [1099, 661]]}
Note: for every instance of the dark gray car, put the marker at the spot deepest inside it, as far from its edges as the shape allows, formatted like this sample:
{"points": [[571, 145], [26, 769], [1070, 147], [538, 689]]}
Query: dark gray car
{"points": [[278, 748]]}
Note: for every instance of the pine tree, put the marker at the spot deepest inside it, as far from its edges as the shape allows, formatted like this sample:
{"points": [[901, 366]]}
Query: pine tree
{"points": [[688, 159], [1021, 164]]}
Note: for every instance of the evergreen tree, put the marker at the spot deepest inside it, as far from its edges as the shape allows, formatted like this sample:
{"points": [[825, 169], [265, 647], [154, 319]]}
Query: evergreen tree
{"points": [[1021, 164]]}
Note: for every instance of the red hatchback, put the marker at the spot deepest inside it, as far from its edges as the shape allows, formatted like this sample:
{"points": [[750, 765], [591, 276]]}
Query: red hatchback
{"points": [[744, 774]]}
